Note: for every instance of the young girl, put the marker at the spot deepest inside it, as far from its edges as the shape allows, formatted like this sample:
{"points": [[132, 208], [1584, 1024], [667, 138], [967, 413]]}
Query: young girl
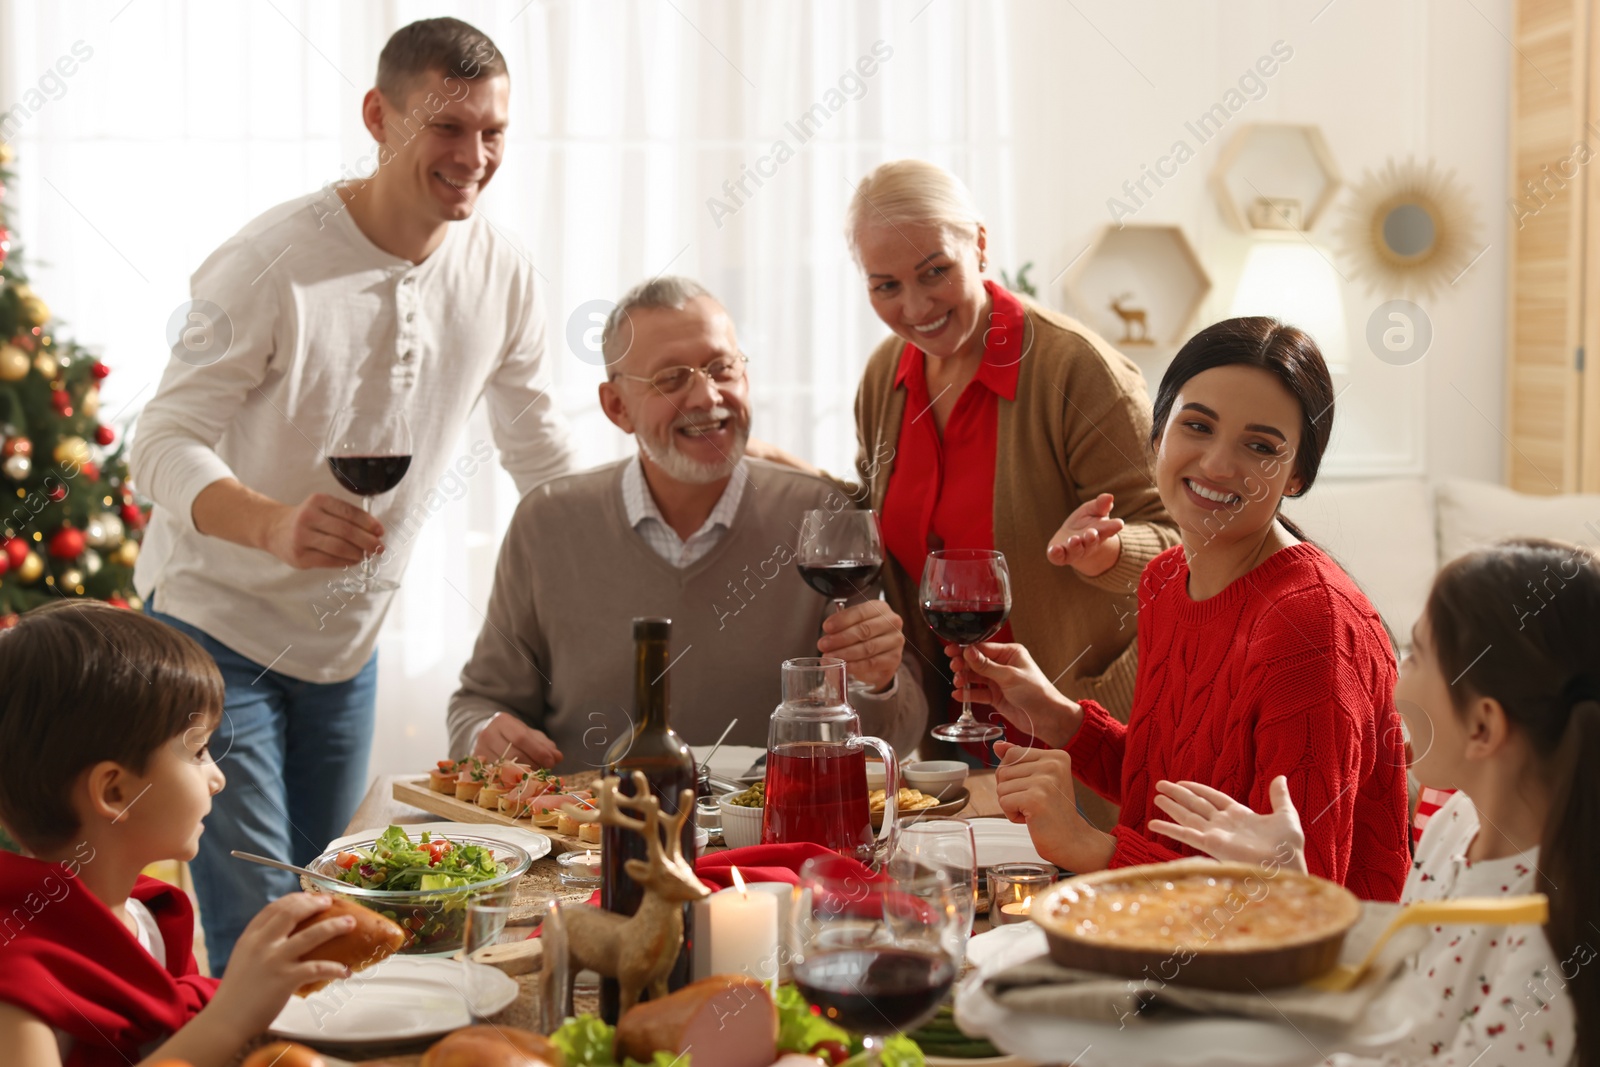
{"points": [[1501, 693], [105, 718], [1258, 655]]}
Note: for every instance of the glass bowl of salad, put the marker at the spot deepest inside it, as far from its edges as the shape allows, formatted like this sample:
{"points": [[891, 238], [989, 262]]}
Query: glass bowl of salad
{"points": [[422, 882]]}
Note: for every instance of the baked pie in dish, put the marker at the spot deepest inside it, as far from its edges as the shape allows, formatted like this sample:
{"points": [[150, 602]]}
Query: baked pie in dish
{"points": [[1199, 922]]}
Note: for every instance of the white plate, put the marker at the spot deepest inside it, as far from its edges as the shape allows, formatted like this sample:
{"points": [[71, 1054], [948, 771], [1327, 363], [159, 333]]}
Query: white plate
{"points": [[1052, 1039], [401, 999], [536, 845], [1003, 841]]}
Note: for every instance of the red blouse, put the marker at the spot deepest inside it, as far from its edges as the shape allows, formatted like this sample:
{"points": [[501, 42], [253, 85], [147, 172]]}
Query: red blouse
{"points": [[941, 488]]}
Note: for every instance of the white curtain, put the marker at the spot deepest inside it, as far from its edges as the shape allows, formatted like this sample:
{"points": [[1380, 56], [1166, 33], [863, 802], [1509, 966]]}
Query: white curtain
{"points": [[645, 138]]}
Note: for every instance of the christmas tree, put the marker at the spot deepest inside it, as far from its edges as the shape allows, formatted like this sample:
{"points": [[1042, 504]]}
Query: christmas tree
{"points": [[69, 523]]}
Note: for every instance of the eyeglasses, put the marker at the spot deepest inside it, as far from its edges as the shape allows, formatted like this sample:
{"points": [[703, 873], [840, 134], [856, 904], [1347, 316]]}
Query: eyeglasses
{"points": [[724, 370]]}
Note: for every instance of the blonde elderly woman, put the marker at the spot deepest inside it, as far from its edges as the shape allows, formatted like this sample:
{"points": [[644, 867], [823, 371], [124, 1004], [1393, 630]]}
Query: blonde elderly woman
{"points": [[983, 421]]}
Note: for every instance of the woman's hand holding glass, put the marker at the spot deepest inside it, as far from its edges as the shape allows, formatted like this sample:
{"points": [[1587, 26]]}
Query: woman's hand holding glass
{"points": [[1005, 677]]}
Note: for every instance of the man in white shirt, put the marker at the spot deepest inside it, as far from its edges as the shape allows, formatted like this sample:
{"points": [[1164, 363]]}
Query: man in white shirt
{"points": [[389, 293]]}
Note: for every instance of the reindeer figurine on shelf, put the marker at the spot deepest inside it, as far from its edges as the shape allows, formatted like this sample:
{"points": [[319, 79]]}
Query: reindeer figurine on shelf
{"points": [[1131, 317], [637, 950]]}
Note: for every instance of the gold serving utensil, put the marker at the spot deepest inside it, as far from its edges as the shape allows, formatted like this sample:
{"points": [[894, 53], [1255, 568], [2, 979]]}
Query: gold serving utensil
{"points": [[1498, 911]]}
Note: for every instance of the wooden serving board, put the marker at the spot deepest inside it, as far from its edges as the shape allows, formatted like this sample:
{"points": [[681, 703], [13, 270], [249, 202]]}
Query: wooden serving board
{"points": [[415, 791]]}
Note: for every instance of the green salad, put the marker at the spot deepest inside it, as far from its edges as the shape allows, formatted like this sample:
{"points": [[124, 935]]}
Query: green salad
{"points": [[395, 863], [588, 1042]]}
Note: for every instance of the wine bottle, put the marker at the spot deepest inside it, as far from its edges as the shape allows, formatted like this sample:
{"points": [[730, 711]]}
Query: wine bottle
{"points": [[653, 748]]}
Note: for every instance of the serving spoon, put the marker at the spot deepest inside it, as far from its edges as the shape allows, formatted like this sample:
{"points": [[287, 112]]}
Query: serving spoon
{"points": [[267, 861], [1498, 911]]}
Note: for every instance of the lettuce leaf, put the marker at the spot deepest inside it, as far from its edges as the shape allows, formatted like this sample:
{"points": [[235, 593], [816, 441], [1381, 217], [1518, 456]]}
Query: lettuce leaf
{"points": [[587, 1041], [799, 1029]]}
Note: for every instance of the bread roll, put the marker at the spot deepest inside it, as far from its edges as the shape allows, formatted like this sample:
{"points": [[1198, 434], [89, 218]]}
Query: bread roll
{"points": [[373, 940], [492, 1046]]}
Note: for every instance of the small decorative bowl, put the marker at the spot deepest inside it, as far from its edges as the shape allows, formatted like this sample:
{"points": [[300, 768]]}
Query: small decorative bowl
{"points": [[741, 826], [936, 777]]}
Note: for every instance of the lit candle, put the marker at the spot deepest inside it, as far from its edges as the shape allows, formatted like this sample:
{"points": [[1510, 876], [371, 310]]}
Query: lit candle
{"points": [[1018, 909], [744, 932]]}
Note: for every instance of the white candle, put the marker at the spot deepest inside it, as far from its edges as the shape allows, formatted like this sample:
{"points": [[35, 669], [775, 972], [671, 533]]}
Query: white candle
{"points": [[744, 932]]}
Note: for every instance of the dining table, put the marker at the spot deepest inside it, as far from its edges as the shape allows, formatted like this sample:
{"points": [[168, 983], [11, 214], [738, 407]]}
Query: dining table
{"points": [[379, 809]]}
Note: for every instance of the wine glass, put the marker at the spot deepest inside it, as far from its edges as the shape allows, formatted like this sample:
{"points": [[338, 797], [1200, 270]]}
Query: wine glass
{"points": [[946, 845], [369, 450], [966, 596], [840, 553], [877, 956]]}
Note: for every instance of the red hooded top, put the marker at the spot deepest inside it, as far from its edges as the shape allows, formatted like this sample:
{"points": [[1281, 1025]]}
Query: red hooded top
{"points": [[65, 958]]}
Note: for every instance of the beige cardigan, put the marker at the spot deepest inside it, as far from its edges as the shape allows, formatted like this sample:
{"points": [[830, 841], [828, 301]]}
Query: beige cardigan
{"points": [[1079, 426]]}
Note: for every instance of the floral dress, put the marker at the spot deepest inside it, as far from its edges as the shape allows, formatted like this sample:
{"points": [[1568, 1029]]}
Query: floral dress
{"points": [[1476, 996]]}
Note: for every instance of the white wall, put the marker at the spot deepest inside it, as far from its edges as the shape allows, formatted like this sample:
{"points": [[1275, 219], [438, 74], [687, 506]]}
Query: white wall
{"points": [[1102, 88]]}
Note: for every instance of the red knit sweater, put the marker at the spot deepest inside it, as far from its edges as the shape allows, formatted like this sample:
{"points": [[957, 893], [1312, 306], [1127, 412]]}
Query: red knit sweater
{"points": [[1286, 671]]}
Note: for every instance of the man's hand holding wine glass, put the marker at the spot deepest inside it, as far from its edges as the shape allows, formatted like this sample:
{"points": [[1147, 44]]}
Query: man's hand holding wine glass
{"points": [[322, 531], [869, 637]]}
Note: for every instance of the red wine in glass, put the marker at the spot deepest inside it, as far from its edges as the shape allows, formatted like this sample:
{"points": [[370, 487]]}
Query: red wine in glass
{"points": [[966, 596], [817, 792], [964, 624], [840, 553], [842, 580], [369, 475], [876, 956], [864, 988], [369, 452]]}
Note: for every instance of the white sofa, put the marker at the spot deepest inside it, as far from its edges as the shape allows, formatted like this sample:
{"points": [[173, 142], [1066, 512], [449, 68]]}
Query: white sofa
{"points": [[1392, 534]]}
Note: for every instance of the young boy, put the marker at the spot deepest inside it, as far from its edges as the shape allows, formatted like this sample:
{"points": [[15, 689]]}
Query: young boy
{"points": [[105, 719]]}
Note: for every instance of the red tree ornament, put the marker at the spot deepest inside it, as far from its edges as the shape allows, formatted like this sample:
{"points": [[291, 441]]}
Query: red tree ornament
{"points": [[132, 517], [104, 435], [16, 550], [67, 543], [99, 370], [62, 401]]}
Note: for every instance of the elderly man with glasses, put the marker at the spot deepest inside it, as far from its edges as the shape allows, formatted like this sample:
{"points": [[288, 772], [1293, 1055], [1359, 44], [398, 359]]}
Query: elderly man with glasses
{"points": [[689, 528]]}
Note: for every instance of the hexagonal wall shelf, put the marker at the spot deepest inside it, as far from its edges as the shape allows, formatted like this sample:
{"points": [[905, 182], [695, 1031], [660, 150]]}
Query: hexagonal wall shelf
{"points": [[1281, 162], [1139, 286]]}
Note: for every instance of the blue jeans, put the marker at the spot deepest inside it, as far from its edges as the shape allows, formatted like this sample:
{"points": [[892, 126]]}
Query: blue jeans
{"points": [[295, 755]]}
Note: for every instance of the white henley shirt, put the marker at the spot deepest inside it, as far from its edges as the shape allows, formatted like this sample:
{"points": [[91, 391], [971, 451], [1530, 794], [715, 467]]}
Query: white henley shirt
{"points": [[320, 316]]}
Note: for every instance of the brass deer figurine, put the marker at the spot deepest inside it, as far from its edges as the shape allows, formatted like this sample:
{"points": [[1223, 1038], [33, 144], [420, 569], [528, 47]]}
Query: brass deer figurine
{"points": [[637, 950], [1131, 317]]}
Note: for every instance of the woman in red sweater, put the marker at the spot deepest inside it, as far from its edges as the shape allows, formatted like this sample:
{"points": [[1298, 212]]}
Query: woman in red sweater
{"points": [[1258, 655]]}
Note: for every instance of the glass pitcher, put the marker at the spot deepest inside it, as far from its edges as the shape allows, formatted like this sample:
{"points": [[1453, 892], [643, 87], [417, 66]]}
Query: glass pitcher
{"points": [[817, 766]]}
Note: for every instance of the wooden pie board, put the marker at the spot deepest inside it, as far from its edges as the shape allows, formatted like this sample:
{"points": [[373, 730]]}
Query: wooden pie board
{"points": [[415, 791]]}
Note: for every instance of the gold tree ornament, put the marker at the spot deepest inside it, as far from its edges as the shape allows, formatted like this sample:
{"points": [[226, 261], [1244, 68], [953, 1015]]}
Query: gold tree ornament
{"points": [[13, 363], [1408, 230]]}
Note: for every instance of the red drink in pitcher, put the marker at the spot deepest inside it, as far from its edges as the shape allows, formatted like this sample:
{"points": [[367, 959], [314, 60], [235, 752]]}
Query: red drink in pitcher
{"points": [[817, 791]]}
